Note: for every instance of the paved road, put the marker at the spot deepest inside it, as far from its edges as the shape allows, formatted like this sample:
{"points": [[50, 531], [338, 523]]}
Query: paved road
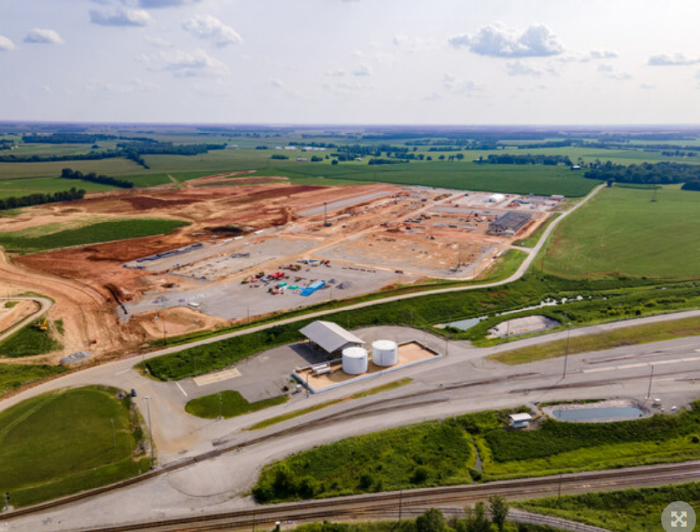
{"points": [[44, 305]]}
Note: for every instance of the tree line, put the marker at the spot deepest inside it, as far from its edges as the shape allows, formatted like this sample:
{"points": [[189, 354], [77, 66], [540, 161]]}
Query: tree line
{"points": [[39, 199], [92, 177], [77, 138], [663, 173], [506, 158]]}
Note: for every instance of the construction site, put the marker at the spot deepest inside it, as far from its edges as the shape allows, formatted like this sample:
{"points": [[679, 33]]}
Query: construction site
{"points": [[255, 247]]}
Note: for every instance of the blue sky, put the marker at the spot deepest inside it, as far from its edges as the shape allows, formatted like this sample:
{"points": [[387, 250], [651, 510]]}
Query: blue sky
{"points": [[351, 61]]}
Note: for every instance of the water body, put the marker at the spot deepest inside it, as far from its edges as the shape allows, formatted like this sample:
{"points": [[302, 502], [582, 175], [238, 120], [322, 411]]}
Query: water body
{"points": [[599, 413]]}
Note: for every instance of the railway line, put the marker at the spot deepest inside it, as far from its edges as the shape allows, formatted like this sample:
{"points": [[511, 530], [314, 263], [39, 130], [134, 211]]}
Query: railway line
{"points": [[410, 502]]}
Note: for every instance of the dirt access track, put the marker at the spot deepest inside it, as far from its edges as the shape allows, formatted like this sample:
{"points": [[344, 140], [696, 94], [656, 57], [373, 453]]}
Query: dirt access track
{"points": [[380, 228]]}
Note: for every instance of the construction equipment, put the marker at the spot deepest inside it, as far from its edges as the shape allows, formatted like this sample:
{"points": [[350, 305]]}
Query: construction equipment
{"points": [[41, 325]]}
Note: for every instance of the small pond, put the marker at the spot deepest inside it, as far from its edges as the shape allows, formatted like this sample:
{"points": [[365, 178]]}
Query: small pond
{"points": [[607, 413]]}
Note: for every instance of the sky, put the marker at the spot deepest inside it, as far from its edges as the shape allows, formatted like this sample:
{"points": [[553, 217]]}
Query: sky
{"points": [[462, 62]]}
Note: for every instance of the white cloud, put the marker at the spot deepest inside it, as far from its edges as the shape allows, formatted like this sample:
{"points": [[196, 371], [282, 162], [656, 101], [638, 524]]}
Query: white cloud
{"points": [[211, 28], [457, 86], [499, 41], [676, 59], [602, 54], [362, 70], [158, 42], [189, 65], [137, 85], [609, 72], [647, 87], [43, 36], [413, 44], [166, 3], [519, 68], [6, 45], [337, 73], [277, 83], [120, 17]]}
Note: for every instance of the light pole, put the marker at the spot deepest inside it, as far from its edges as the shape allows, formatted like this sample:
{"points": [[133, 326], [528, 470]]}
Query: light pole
{"points": [[566, 353], [651, 378], [150, 430]]}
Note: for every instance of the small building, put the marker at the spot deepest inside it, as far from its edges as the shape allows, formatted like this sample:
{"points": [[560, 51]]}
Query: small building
{"points": [[330, 337], [495, 198], [509, 224], [557, 197], [520, 421], [576, 167]]}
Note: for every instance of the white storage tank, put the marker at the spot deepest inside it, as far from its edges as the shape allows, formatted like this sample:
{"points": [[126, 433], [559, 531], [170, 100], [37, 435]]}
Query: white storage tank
{"points": [[385, 353], [355, 360]]}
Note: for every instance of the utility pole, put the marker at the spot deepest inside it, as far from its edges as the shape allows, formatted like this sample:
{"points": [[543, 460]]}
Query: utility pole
{"points": [[150, 430], [566, 354], [651, 378]]}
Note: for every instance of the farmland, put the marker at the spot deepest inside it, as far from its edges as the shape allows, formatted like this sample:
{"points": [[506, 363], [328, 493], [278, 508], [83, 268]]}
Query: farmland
{"points": [[622, 232], [89, 234], [442, 453], [63, 442]]}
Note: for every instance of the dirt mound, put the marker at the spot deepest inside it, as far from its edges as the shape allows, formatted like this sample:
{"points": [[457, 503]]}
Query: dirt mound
{"points": [[145, 203]]}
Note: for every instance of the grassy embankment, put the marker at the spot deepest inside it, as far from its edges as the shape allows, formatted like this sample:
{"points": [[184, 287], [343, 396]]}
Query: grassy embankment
{"points": [[228, 404], [63, 442], [632, 510], [298, 413], [14, 376], [29, 341], [442, 453], [53, 237]]}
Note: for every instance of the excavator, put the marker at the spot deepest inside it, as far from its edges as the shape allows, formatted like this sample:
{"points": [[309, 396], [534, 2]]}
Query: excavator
{"points": [[41, 325]]}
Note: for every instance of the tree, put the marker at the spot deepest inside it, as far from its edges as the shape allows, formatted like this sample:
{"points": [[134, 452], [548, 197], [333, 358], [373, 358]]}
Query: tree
{"points": [[499, 511], [477, 520], [431, 521], [334, 161]]}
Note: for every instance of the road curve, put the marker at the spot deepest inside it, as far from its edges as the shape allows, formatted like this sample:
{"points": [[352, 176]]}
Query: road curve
{"points": [[44, 305]]}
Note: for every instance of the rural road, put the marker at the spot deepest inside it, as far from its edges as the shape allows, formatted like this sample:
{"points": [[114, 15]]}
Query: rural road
{"points": [[44, 305]]}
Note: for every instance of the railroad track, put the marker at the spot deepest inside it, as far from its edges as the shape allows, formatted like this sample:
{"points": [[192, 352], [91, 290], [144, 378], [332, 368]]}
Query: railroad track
{"points": [[383, 504]]}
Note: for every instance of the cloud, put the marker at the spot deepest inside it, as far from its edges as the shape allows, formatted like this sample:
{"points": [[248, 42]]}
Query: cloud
{"points": [[457, 86], [519, 68], [337, 73], [602, 54], [362, 70], [413, 44], [6, 45], [120, 17], [189, 65], [137, 85], [498, 41], [211, 28], [43, 36], [154, 4], [158, 42], [609, 72], [676, 59], [647, 87], [277, 83]]}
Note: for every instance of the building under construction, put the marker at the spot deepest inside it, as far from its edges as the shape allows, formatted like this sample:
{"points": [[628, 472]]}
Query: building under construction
{"points": [[509, 224]]}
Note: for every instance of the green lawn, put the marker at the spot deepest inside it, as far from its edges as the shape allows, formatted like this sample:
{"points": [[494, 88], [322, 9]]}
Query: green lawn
{"points": [[632, 510], [23, 242], [14, 376], [61, 443], [443, 452], [622, 232], [28, 341], [228, 404]]}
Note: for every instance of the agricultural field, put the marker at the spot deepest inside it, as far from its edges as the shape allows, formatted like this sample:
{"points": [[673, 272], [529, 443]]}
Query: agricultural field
{"points": [[623, 232], [23, 187], [641, 506], [442, 453], [52, 237], [63, 442], [228, 404]]}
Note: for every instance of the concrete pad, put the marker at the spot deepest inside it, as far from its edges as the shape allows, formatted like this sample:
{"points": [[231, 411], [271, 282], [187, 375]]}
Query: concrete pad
{"points": [[211, 378]]}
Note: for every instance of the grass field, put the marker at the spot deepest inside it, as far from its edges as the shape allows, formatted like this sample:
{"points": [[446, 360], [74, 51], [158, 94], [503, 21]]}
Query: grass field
{"points": [[63, 442], [441, 453], [228, 404], [653, 332], [14, 376], [28, 341], [33, 242], [622, 232], [24, 187], [632, 510]]}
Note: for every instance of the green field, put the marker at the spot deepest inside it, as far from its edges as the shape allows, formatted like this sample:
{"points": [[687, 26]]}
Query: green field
{"points": [[51, 237], [15, 376], [228, 404], [28, 341], [632, 510], [24, 187], [63, 442], [442, 453], [622, 232]]}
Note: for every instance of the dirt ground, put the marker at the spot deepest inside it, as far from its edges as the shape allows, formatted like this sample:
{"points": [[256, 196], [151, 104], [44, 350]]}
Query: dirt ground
{"points": [[11, 316], [244, 225]]}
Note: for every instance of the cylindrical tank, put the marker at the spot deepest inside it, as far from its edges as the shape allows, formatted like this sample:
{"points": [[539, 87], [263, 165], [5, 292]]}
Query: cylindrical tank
{"points": [[385, 353], [355, 360]]}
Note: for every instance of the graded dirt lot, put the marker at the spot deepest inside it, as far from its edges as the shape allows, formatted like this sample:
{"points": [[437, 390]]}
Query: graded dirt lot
{"points": [[12, 315], [208, 273]]}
